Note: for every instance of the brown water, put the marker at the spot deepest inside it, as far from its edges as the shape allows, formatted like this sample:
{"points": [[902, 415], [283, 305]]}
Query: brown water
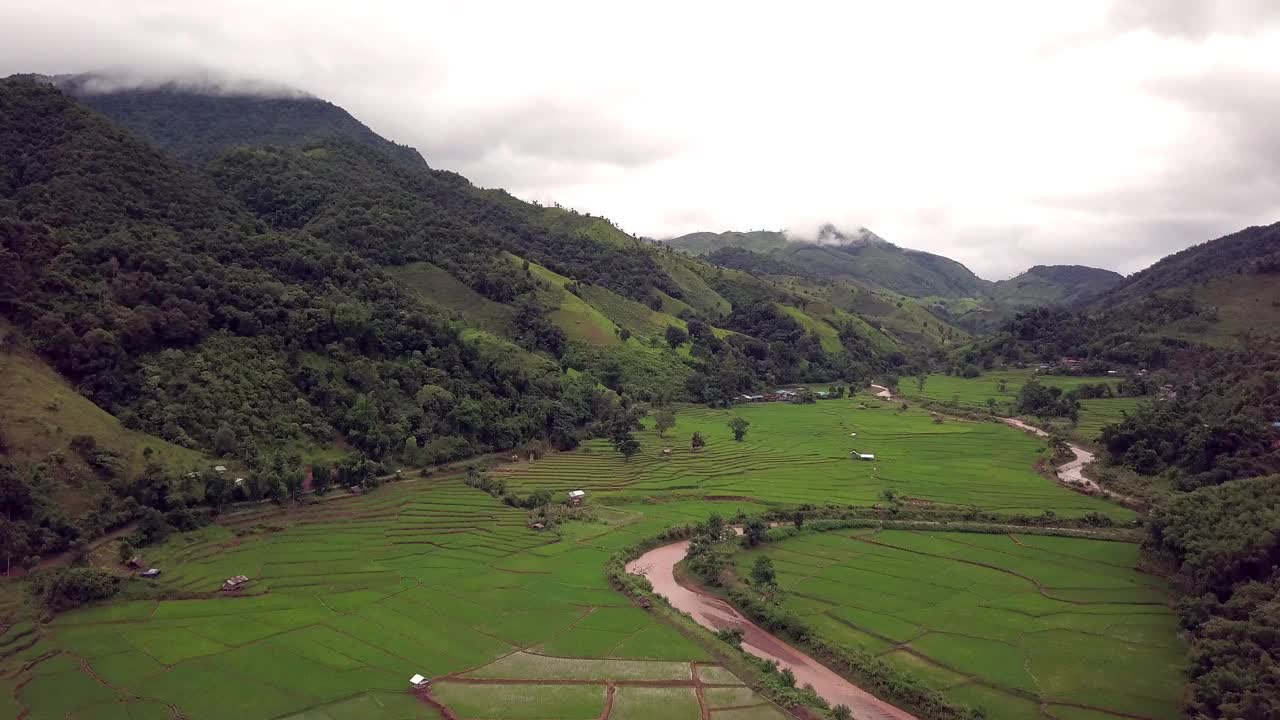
{"points": [[658, 565]]}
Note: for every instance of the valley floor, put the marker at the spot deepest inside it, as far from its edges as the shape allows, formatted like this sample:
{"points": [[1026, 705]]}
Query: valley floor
{"points": [[350, 597]]}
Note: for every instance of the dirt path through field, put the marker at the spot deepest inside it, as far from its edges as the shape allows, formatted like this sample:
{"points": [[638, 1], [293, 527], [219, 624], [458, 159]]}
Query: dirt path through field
{"points": [[658, 565]]}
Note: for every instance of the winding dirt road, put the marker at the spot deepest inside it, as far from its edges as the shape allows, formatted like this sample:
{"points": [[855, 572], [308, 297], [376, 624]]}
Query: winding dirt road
{"points": [[658, 565]]}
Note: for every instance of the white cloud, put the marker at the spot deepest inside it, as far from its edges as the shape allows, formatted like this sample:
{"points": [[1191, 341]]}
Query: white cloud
{"points": [[1002, 133]]}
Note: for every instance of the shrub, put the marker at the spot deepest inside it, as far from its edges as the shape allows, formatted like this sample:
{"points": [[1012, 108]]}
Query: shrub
{"points": [[63, 589]]}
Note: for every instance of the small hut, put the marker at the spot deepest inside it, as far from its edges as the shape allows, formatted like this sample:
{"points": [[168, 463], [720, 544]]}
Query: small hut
{"points": [[134, 562], [666, 453], [418, 681], [576, 497], [234, 583]]}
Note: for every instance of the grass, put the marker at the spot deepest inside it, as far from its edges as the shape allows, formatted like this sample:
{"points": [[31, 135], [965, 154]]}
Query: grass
{"points": [[974, 392], [800, 453], [438, 287], [1096, 413], [1031, 619], [350, 597], [40, 413], [575, 316], [828, 336], [626, 313]]}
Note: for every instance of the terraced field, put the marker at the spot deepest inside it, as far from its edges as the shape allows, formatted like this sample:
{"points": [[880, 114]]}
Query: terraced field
{"points": [[351, 596], [356, 595], [800, 453], [1094, 414], [1022, 626]]}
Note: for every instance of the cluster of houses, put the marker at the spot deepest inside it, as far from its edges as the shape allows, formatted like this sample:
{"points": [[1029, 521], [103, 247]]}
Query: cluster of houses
{"points": [[780, 395]]}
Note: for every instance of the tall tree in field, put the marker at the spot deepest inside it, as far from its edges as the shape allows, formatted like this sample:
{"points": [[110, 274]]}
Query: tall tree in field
{"points": [[696, 442], [920, 381], [739, 427], [664, 420], [762, 572]]}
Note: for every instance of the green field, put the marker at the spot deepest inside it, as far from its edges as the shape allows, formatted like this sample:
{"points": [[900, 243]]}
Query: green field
{"points": [[1012, 623], [974, 392], [351, 596], [1096, 413], [800, 453]]}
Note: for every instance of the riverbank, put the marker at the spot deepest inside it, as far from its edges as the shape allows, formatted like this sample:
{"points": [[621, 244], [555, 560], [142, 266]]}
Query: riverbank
{"points": [[658, 567]]}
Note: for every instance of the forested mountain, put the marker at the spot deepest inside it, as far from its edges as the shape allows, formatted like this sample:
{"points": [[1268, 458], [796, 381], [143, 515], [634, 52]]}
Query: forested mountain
{"points": [[261, 294], [1045, 285], [860, 256], [196, 125], [1252, 251]]}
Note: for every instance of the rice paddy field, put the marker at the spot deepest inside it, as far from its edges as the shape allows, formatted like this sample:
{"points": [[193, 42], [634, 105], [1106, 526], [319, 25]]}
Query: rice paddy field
{"points": [[801, 453], [1021, 626], [351, 596], [1096, 413], [974, 392]]}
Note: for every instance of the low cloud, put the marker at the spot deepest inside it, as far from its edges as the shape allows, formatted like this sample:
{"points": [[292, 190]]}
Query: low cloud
{"points": [[1004, 135], [200, 80]]}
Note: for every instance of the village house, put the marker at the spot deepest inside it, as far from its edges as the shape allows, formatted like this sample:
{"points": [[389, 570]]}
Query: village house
{"points": [[576, 497]]}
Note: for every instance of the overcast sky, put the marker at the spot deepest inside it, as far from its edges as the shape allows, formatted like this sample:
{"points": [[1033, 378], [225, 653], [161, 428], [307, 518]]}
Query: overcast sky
{"points": [[1003, 134]]}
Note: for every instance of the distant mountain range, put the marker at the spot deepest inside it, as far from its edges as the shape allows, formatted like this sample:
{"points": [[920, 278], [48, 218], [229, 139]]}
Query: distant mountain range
{"points": [[951, 290]]}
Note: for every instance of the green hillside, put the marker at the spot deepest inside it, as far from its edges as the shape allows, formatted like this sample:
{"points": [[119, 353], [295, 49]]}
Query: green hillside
{"points": [[702, 243], [1054, 285], [41, 414], [437, 286]]}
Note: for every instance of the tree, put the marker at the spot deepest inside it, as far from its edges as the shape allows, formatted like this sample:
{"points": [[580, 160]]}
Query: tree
{"points": [[762, 572], [739, 427], [715, 527], [126, 551], [797, 519], [920, 381], [15, 494], [696, 442], [224, 441], [13, 542], [756, 532], [664, 420], [676, 337], [626, 444]]}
